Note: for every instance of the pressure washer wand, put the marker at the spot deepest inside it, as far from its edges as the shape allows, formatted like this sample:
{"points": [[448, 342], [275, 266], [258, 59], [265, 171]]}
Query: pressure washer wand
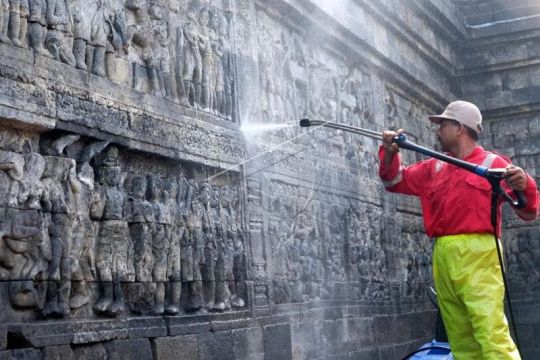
{"points": [[352, 129], [493, 175]]}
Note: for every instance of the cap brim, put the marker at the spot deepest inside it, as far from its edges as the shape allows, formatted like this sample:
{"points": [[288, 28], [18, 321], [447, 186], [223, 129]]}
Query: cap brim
{"points": [[438, 118]]}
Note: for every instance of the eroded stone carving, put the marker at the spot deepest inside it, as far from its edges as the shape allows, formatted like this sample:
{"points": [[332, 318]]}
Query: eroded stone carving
{"points": [[113, 245], [59, 181], [59, 38]]}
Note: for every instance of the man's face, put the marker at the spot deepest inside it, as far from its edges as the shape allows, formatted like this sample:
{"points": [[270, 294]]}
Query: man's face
{"points": [[447, 134]]}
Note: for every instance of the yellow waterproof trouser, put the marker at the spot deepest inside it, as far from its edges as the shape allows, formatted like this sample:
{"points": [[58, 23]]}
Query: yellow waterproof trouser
{"points": [[470, 291]]}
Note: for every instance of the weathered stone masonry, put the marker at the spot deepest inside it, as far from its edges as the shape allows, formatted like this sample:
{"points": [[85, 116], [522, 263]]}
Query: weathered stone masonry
{"points": [[129, 230]]}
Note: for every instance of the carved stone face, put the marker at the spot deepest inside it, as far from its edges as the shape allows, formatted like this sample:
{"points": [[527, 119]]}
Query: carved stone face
{"points": [[111, 156], [170, 188], [205, 194], [204, 16], [111, 175], [214, 21], [138, 187], [215, 196], [155, 187]]}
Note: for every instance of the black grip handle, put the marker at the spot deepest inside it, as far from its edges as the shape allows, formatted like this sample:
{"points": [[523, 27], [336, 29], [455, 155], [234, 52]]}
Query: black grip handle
{"points": [[521, 200]]}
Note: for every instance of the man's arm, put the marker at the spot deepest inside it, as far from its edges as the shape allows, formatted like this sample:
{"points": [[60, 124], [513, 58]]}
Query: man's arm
{"points": [[517, 180], [410, 180]]}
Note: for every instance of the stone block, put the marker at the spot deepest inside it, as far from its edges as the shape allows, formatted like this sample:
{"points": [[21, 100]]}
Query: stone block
{"points": [[365, 355], [361, 334], [171, 347], [90, 352], [248, 344], [216, 345], [146, 327], [26, 354], [129, 349], [305, 340], [119, 71], [336, 335], [492, 30], [183, 325], [277, 341], [99, 330], [63, 352]]}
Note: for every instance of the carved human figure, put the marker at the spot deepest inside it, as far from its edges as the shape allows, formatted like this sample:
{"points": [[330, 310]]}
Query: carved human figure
{"points": [[60, 184], [18, 9], [82, 251], [224, 251], [160, 241], [218, 44], [37, 25], [27, 237], [231, 251], [59, 37], [118, 42], [141, 35], [90, 33], [178, 58], [11, 171], [19, 229], [161, 62], [207, 37], [140, 217], [223, 52], [82, 31], [99, 38], [192, 66], [174, 229], [210, 232], [4, 21], [113, 246], [192, 251]]}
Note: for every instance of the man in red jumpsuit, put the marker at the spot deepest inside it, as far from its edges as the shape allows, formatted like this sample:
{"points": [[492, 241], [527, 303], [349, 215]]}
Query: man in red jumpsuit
{"points": [[456, 210]]}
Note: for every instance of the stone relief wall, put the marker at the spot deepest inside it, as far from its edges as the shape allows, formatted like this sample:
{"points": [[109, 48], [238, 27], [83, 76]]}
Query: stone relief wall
{"points": [[322, 223], [118, 220], [85, 225]]}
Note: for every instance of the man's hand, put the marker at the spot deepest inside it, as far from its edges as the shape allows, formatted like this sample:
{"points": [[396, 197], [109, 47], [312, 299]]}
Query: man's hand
{"points": [[387, 138], [515, 177]]}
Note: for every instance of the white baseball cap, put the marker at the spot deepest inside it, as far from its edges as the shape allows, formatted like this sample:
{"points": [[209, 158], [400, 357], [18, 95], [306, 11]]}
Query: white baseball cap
{"points": [[463, 112]]}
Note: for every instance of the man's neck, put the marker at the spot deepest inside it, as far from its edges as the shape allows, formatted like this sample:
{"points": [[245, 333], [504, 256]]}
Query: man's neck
{"points": [[464, 150]]}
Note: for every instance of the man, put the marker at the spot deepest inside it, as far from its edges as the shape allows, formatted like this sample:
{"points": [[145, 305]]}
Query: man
{"points": [[456, 210]]}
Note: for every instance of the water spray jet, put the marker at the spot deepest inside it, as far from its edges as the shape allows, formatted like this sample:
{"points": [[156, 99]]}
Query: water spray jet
{"points": [[259, 128]]}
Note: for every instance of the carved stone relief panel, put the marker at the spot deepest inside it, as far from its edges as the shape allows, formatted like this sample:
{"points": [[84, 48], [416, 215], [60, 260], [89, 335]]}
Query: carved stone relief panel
{"points": [[89, 227], [178, 50]]}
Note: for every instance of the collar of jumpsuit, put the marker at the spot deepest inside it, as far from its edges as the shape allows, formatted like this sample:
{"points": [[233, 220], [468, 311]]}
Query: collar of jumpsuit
{"points": [[454, 201]]}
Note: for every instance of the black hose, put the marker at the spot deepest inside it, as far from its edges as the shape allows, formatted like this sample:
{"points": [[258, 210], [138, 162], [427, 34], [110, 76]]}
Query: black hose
{"points": [[494, 220]]}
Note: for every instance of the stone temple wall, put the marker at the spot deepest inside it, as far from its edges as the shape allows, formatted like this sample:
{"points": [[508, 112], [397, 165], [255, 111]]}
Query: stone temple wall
{"points": [[139, 221]]}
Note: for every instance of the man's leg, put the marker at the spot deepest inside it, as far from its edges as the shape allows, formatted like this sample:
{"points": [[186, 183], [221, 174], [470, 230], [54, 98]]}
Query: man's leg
{"points": [[453, 311], [483, 296]]}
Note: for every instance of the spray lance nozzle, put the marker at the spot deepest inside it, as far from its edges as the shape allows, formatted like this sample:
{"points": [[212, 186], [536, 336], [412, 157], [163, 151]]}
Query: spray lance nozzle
{"points": [[494, 176], [305, 123]]}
